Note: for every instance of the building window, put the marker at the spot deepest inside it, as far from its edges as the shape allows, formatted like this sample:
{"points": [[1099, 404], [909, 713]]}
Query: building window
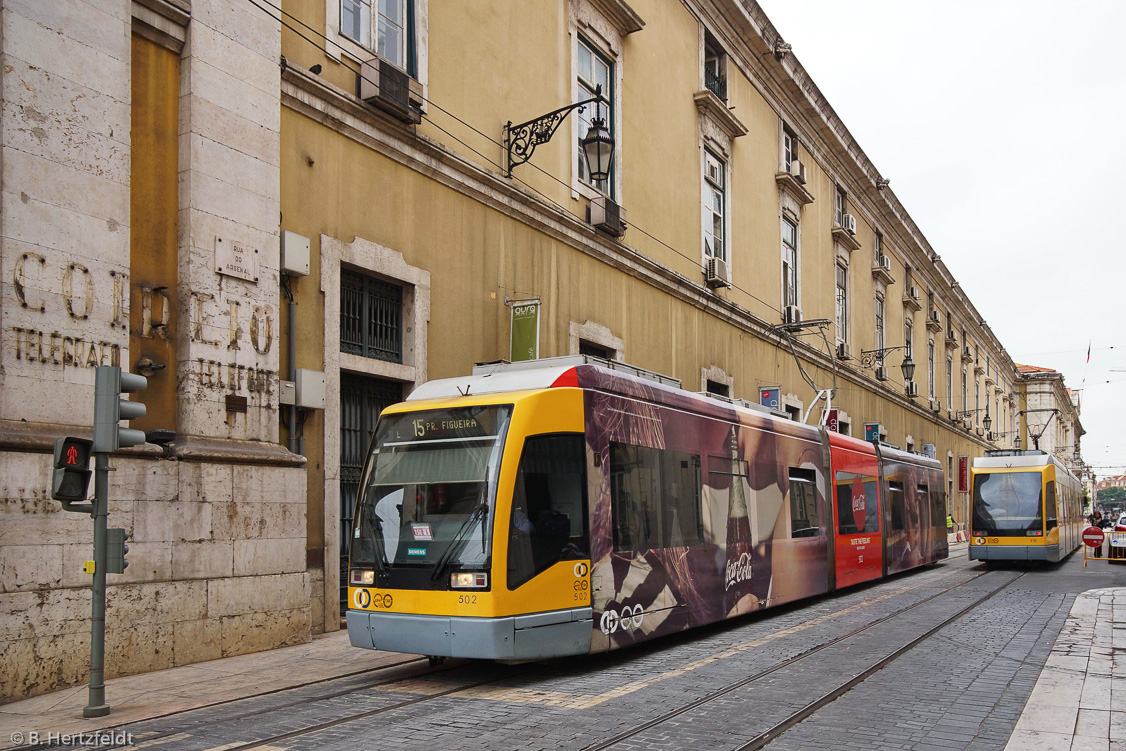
{"points": [[977, 402], [593, 350], [594, 70], [930, 368], [717, 388], [371, 317], [842, 303], [949, 382], [908, 338], [880, 320], [789, 148], [715, 199], [841, 205], [355, 20], [965, 392], [789, 262], [878, 247], [715, 77], [391, 22]]}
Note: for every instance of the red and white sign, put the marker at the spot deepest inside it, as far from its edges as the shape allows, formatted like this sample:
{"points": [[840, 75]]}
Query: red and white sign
{"points": [[963, 474], [1093, 537]]}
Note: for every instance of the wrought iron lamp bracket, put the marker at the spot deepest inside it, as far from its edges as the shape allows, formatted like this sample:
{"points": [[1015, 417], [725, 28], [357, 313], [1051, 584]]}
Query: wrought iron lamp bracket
{"points": [[869, 358], [520, 141]]}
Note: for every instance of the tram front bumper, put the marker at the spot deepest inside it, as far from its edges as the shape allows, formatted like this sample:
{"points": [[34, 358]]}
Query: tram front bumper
{"points": [[525, 637], [1014, 552]]}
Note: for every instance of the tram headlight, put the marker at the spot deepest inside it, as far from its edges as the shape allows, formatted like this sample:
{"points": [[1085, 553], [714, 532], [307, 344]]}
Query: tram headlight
{"points": [[362, 577], [469, 580]]}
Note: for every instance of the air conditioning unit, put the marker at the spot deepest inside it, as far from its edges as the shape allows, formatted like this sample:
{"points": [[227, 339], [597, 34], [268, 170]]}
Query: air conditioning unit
{"points": [[608, 216], [791, 314], [934, 316], [936, 405], [716, 273], [885, 262], [849, 223], [912, 389], [797, 171], [843, 352], [967, 352], [914, 293], [990, 436], [389, 88], [951, 335], [881, 373]]}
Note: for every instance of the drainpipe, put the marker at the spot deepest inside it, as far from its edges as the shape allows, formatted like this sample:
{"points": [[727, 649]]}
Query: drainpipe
{"points": [[292, 370]]}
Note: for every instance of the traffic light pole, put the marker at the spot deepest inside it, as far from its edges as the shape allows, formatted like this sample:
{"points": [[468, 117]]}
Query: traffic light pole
{"points": [[96, 704]]}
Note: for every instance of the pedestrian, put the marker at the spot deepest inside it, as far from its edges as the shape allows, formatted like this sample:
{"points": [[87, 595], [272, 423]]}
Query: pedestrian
{"points": [[949, 524], [1097, 521]]}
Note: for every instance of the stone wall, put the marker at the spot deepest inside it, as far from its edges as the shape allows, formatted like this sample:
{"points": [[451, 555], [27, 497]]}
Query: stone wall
{"points": [[216, 568], [218, 522]]}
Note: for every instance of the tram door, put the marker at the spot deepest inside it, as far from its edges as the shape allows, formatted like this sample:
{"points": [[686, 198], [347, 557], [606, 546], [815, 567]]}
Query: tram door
{"points": [[859, 547]]}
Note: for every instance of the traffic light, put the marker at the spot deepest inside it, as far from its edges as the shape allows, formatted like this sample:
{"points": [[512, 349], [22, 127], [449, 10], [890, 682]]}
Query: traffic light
{"points": [[116, 550], [110, 409], [71, 477]]}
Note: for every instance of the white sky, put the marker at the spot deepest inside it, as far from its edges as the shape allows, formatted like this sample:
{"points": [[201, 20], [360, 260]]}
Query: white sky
{"points": [[1000, 124]]}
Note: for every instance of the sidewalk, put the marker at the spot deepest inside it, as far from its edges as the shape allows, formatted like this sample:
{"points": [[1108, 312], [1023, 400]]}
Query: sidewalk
{"points": [[1073, 705], [163, 692]]}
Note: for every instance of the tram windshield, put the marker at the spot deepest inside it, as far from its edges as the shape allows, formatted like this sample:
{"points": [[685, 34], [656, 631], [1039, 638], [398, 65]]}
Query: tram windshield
{"points": [[428, 490], [1008, 503]]}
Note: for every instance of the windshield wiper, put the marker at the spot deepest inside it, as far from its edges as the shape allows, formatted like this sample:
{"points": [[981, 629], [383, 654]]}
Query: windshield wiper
{"points": [[459, 541], [380, 552]]}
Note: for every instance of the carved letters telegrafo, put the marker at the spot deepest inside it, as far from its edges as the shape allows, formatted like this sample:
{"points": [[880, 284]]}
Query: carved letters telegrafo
{"points": [[76, 286]]}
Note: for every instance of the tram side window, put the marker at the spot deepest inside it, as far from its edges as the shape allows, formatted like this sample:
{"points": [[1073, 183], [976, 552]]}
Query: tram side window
{"points": [[655, 498], [858, 509], [804, 520], [1050, 502], [898, 501], [549, 507], [928, 514]]}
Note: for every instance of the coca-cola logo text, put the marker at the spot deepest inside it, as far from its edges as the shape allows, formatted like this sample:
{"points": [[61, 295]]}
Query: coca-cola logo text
{"points": [[737, 571]]}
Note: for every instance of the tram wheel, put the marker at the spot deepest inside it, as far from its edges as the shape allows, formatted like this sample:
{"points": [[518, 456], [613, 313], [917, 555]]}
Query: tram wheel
{"points": [[435, 660]]}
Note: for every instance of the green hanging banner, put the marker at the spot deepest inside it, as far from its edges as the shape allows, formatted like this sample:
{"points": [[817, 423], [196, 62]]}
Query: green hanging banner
{"points": [[525, 330]]}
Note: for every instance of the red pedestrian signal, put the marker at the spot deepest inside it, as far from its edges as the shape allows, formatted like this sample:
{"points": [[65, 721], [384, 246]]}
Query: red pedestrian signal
{"points": [[70, 479]]}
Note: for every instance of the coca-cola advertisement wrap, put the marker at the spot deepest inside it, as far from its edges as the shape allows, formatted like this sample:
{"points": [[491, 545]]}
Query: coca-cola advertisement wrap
{"points": [[738, 594], [720, 562]]}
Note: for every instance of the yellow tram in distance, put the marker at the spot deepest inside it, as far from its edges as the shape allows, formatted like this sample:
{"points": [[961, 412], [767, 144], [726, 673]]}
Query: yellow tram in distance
{"points": [[1027, 506]]}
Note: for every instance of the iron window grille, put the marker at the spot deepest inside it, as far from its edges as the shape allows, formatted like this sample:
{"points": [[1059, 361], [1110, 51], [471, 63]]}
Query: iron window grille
{"points": [[371, 317]]}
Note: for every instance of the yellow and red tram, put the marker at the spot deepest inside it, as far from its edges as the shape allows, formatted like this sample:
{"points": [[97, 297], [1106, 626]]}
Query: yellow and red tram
{"points": [[1027, 506], [561, 508]]}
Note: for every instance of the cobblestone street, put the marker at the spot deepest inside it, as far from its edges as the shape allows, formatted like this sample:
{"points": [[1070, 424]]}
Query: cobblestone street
{"points": [[963, 686]]}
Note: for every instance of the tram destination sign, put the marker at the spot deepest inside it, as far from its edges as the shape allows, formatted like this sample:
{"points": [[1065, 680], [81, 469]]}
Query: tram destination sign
{"points": [[444, 424]]}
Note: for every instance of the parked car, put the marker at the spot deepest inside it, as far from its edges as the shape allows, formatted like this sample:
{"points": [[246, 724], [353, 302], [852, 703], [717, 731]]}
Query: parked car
{"points": [[1117, 537]]}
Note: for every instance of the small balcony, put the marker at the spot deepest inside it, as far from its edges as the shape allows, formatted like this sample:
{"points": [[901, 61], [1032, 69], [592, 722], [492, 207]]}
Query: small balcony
{"points": [[715, 83]]}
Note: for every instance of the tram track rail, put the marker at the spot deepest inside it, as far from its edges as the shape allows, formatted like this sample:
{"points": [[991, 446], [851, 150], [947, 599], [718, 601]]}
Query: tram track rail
{"points": [[765, 737], [759, 741]]}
